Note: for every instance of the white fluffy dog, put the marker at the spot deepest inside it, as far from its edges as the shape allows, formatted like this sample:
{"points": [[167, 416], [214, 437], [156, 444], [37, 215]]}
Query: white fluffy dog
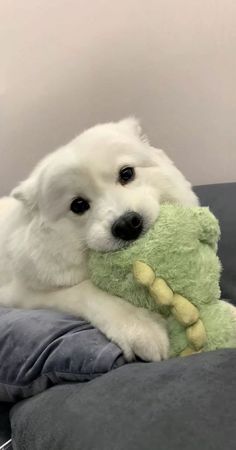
{"points": [[101, 191]]}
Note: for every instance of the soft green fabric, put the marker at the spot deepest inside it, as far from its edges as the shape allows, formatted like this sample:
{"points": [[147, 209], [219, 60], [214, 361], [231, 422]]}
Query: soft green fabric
{"points": [[181, 248]]}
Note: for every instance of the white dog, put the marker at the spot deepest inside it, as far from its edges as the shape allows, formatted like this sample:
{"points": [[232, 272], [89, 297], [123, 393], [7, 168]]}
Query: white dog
{"points": [[101, 191]]}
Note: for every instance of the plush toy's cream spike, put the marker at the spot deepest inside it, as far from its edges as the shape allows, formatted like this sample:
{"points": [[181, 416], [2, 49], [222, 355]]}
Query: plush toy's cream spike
{"points": [[143, 273], [196, 335], [161, 292], [188, 351], [186, 313]]}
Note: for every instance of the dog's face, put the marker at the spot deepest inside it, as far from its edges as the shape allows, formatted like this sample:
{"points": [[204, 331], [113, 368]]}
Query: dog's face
{"points": [[104, 188]]}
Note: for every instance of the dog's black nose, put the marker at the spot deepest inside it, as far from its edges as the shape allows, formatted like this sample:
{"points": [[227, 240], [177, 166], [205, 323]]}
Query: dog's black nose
{"points": [[128, 227]]}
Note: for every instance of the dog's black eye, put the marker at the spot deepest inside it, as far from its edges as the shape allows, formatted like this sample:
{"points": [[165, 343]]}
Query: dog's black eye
{"points": [[126, 175], [79, 205]]}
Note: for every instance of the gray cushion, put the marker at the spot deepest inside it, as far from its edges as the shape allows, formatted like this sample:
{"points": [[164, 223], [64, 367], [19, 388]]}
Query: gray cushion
{"points": [[221, 199], [5, 429], [41, 348], [181, 404]]}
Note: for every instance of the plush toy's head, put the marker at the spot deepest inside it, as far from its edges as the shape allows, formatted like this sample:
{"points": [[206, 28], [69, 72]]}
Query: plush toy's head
{"points": [[181, 250]]}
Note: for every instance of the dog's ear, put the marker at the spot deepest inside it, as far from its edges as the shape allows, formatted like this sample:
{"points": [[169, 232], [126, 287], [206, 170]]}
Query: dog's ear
{"points": [[26, 192], [132, 127]]}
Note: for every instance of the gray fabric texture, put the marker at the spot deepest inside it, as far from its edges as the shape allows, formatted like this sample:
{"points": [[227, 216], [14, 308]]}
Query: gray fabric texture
{"points": [[41, 348], [181, 404], [5, 428], [221, 199]]}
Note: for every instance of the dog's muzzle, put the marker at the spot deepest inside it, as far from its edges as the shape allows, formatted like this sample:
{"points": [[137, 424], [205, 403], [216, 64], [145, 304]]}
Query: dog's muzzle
{"points": [[128, 227]]}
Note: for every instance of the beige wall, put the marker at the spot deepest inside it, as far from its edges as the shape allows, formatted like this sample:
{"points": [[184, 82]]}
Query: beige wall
{"points": [[67, 64]]}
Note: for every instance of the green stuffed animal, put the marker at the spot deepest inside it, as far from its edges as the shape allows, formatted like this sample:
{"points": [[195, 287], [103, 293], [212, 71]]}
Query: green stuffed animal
{"points": [[174, 269]]}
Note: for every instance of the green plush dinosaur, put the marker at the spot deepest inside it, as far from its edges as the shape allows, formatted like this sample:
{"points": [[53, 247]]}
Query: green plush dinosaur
{"points": [[174, 269]]}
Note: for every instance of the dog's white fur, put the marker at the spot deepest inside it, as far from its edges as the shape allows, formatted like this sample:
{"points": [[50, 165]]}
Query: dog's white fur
{"points": [[44, 245]]}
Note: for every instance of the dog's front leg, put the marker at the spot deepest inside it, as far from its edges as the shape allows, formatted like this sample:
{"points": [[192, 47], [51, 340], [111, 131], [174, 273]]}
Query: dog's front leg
{"points": [[136, 330]]}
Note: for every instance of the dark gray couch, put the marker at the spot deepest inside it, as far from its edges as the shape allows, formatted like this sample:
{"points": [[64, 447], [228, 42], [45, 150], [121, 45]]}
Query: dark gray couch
{"points": [[185, 404]]}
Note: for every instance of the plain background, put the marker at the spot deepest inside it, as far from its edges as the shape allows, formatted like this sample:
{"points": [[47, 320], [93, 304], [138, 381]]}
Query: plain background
{"points": [[67, 64]]}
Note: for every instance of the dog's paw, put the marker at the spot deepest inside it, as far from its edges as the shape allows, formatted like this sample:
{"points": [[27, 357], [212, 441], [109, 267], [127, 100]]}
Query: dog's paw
{"points": [[145, 336]]}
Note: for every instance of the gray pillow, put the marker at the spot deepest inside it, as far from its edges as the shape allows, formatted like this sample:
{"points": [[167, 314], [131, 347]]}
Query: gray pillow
{"points": [[180, 404], [41, 348]]}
